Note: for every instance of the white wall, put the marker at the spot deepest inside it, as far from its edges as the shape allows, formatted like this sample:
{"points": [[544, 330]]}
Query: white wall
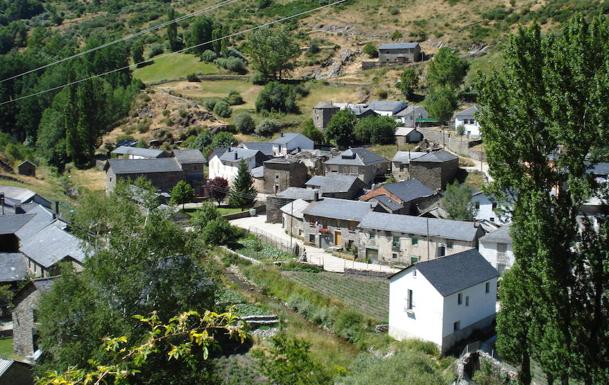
{"points": [[301, 142], [486, 211], [228, 172], [384, 113], [481, 306], [426, 320], [489, 251], [470, 129]]}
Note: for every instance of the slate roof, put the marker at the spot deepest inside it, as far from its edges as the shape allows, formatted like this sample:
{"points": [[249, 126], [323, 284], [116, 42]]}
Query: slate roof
{"points": [[405, 45], [468, 112], [322, 105], [406, 156], [51, 245], [356, 157], [407, 224], [501, 235], [601, 169], [264, 147], [412, 109], [257, 172], [137, 151], [436, 156], [288, 137], [387, 105], [13, 267], [332, 184], [236, 154], [387, 202], [189, 156], [456, 272], [306, 194], [295, 208], [17, 193], [409, 190], [404, 131], [144, 166], [218, 151], [343, 209], [10, 224], [42, 217]]}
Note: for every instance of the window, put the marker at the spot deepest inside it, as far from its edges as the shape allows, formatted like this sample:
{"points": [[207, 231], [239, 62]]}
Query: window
{"points": [[395, 243], [414, 259], [394, 255], [477, 205], [456, 326], [467, 300], [449, 244], [409, 304], [312, 238], [459, 299], [487, 287], [414, 241], [494, 205]]}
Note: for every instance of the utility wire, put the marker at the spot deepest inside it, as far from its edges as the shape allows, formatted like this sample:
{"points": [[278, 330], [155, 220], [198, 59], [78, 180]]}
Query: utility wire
{"points": [[173, 53], [123, 39]]}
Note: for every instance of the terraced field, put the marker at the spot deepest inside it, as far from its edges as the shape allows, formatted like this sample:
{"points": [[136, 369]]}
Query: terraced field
{"points": [[367, 294]]}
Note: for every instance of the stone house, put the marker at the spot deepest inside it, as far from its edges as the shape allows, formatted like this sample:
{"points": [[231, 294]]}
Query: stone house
{"points": [[496, 248], [13, 197], [322, 113], [443, 301], [405, 135], [26, 168], [193, 166], [274, 203], [410, 116], [435, 169], [128, 152], [400, 164], [406, 197], [399, 53], [333, 222], [387, 107], [224, 162], [162, 173], [359, 162], [405, 239], [293, 219], [280, 173], [337, 186], [266, 148], [467, 119], [290, 142], [25, 336]]}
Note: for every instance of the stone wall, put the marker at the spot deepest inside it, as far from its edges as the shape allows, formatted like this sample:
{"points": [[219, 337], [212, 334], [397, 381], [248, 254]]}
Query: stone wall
{"points": [[435, 175], [23, 323], [278, 177], [273, 208]]}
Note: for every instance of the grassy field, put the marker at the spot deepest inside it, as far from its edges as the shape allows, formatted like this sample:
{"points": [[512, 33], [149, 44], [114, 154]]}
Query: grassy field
{"points": [[173, 67], [6, 349], [369, 295]]}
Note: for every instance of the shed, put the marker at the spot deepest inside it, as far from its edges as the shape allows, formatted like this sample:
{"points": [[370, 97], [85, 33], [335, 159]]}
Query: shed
{"points": [[26, 168]]}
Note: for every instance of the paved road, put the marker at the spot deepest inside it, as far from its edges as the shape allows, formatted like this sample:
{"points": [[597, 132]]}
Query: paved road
{"points": [[315, 255]]}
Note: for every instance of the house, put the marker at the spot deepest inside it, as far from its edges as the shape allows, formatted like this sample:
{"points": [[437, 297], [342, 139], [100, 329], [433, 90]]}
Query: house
{"points": [[410, 116], [488, 209], [193, 166], [25, 335], [26, 168], [435, 169], [405, 239], [274, 203], [13, 268], [293, 218], [399, 53], [162, 173], [15, 373], [337, 186], [12, 197], [360, 110], [291, 142], [9, 225], [332, 222], [323, 113], [128, 152], [400, 164], [359, 162], [257, 174], [444, 300], [280, 174], [496, 248], [224, 162], [467, 119], [314, 159], [265, 148], [402, 197], [387, 107], [404, 135]]}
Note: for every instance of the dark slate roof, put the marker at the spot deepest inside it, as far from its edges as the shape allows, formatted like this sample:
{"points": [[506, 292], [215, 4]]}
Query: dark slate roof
{"points": [[409, 190], [339, 209], [137, 151], [236, 154], [387, 105], [413, 110], [406, 156], [264, 147], [407, 224], [387, 202], [436, 156], [144, 166], [22, 195], [332, 183], [10, 224], [357, 157], [257, 172], [405, 45], [600, 169], [287, 137], [321, 105], [456, 272], [306, 194], [501, 235], [42, 217], [13, 267], [468, 112], [218, 151], [51, 245], [189, 156]]}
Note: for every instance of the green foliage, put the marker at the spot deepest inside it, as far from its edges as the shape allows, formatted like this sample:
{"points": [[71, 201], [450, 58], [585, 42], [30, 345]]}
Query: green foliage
{"points": [[223, 139], [441, 102], [277, 97], [242, 193], [245, 123], [208, 56], [203, 216], [137, 52], [172, 33], [375, 130], [310, 131], [218, 232], [182, 193], [232, 64], [457, 202], [340, 128], [488, 375], [396, 35], [460, 130], [255, 248], [409, 81], [370, 50], [267, 127], [200, 31], [446, 69], [222, 109], [272, 52], [234, 98]]}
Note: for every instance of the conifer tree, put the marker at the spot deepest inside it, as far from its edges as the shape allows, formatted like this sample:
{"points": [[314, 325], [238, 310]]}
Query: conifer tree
{"points": [[242, 194]]}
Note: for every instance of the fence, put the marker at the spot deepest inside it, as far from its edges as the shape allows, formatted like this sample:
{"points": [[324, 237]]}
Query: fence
{"points": [[281, 244]]}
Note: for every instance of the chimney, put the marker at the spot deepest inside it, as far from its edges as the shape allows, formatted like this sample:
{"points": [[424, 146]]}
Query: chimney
{"points": [[316, 195], [56, 214], [2, 202], [282, 134], [236, 156], [228, 150]]}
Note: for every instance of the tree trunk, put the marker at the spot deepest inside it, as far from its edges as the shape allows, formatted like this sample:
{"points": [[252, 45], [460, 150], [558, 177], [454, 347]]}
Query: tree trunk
{"points": [[525, 369]]}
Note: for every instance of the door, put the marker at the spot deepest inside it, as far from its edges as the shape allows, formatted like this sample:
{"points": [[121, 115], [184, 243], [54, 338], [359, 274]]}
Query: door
{"points": [[338, 238]]}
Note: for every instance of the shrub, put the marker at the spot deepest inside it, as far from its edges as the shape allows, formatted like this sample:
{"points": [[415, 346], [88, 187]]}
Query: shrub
{"points": [[155, 50], [259, 78], [203, 216], [233, 64], [311, 132], [210, 104], [382, 94], [277, 97], [313, 47], [234, 98], [375, 130], [245, 123], [370, 50], [208, 56], [460, 129], [396, 35], [267, 127], [218, 232], [193, 78], [222, 109], [394, 11], [349, 325]]}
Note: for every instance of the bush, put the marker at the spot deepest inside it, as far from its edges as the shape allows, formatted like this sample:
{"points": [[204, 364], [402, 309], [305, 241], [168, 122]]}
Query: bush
{"points": [[382, 94], [202, 217], [222, 109], [350, 325], [155, 50], [193, 78], [210, 104], [277, 97], [313, 47], [259, 79], [375, 130], [218, 232], [396, 35], [460, 130], [370, 50], [311, 132], [245, 123], [267, 127], [234, 98], [233, 64], [208, 56]]}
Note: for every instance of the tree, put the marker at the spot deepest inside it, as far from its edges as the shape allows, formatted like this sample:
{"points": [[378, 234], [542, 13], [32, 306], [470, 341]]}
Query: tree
{"points": [[375, 130], [277, 97], [200, 32], [457, 202], [267, 127], [271, 52], [223, 139], [370, 50], [340, 128], [310, 131], [137, 52], [446, 69], [245, 123], [203, 216], [218, 189], [242, 194], [441, 102], [218, 232], [222, 109], [182, 193], [409, 81]]}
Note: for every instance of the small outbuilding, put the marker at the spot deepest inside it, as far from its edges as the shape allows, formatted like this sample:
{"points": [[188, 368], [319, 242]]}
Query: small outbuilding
{"points": [[26, 168], [404, 135]]}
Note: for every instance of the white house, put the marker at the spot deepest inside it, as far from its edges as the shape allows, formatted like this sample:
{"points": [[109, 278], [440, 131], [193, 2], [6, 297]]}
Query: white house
{"points": [[387, 107], [290, 142], [443, 300], [467, 119], [496, 248], [224, 162], [487, 209]]}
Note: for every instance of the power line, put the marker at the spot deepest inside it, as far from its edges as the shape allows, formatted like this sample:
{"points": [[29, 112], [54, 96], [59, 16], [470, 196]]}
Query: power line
{"points": [[123, 39], [173, 53]]}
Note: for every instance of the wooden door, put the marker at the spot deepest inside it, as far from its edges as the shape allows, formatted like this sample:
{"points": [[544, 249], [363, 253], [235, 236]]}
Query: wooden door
{"points": [[338, 238]]}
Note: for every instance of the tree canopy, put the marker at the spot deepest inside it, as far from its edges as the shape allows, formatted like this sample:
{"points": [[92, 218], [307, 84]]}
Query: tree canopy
{"points": [[340, 128], [457, 201], [242, 193], [272, 52]]}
